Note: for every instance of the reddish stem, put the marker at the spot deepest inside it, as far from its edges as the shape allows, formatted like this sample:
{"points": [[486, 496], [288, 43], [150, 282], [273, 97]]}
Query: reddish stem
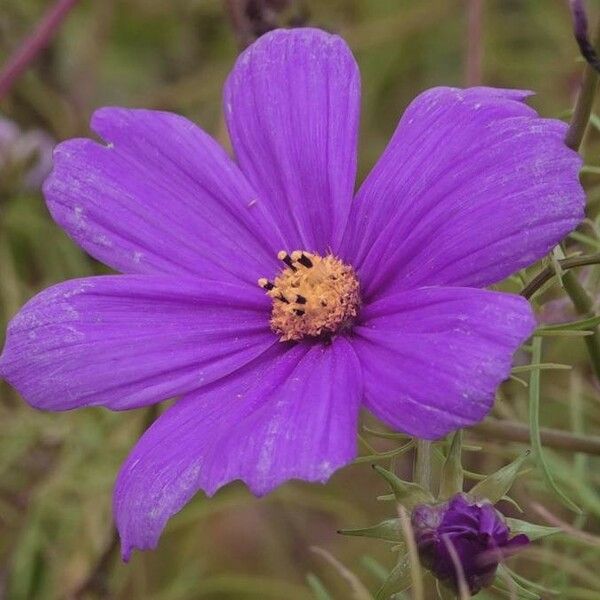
{"points": [[27, 52], [474, 55]]}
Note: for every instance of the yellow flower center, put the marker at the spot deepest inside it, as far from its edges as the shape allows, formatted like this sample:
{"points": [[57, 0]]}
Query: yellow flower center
{"points": [[313, 296]]}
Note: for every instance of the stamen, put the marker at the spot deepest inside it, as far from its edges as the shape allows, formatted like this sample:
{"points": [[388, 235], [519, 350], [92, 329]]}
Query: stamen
{"points": [[313, 296], [285, 257], [264, 283], [301, 258]]}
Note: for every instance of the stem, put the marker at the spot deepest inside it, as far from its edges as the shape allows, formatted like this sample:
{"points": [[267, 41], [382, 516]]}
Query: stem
{"points": [[28, 51], [565, 263], [474, 56], [584, 104], [239, 22], [422, 470], [583, 304], [511, 431], [582, 301]]}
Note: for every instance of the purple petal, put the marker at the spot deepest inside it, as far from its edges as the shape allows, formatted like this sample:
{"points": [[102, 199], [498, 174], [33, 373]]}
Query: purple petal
{"points": [[292, 107], [160, 197], [432, 358], [291, 416], [129, 340], [473, 186]]}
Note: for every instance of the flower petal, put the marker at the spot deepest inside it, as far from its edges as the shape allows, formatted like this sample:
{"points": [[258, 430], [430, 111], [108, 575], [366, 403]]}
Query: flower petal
{"points": [[291, 416], [124, 341], [473, 186], [432, 358], [292, 107], [161, 197]]}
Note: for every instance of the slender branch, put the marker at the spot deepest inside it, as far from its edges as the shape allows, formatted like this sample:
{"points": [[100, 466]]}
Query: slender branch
{"points": [[587, 92], [580, 30], [474, 55], [512, 431], [239, 23], [28, 51], [548, 273], [579, 296]]}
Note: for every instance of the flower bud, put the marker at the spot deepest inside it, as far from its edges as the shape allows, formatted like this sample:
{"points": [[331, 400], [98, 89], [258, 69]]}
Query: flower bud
{"points": [[472, 533]]}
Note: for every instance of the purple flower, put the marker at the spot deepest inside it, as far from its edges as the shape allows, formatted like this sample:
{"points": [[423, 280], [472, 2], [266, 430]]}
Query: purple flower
{"points": [[32, 149], [474, 534], [375, 293]]}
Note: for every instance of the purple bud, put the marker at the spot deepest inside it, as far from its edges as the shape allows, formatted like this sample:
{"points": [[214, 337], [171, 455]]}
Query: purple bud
{"points": [[476, 531], [580, 30]]}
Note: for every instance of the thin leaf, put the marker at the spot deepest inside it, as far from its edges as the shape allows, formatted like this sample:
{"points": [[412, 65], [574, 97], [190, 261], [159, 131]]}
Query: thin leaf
{"points": [[541, 367], [534, 425], [317, 587], [579, 325], [375, 567]]}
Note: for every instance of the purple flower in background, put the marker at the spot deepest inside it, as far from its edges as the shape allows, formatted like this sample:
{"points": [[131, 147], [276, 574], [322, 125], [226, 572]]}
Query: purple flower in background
{"points": [[32, 149], [459, 530], [368, 299]]}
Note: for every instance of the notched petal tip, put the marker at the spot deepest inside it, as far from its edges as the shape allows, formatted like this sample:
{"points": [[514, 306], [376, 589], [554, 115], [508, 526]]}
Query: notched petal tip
{"points": [[253, 426]]}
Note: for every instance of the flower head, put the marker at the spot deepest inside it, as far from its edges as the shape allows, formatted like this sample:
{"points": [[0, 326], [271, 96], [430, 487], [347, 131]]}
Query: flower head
{"points": [[472, 533], [271, 299]]}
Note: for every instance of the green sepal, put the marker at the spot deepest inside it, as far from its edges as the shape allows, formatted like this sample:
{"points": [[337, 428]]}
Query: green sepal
{"points": [[531, 530], [521, 591], [389, 530], [398, 580], [530, 585], [495, 486], [405, 492], [386, 497], [452, 475]]}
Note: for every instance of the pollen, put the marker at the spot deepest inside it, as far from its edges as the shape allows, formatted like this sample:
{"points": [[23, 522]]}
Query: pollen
{"points": [[313, 296]]}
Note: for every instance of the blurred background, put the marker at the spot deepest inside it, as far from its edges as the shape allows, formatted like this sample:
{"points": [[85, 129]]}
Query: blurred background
{"points": [[57, 470]]}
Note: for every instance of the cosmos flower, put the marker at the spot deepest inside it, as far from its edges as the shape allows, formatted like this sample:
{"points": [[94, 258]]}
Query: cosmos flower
{"points": [[368, 299], [475, 531]]}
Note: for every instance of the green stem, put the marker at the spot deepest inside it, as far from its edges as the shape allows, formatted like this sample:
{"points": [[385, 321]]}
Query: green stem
{"points": [[581, 115], [549, 272], [584, 304], [584, 104], [422, 470]]}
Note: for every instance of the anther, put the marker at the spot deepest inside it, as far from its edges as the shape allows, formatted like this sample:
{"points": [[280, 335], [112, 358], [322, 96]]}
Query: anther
{"points": [[283, 299], [264, 283], [300, 299], [301, 258], [298, 311], [285, 257]]}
